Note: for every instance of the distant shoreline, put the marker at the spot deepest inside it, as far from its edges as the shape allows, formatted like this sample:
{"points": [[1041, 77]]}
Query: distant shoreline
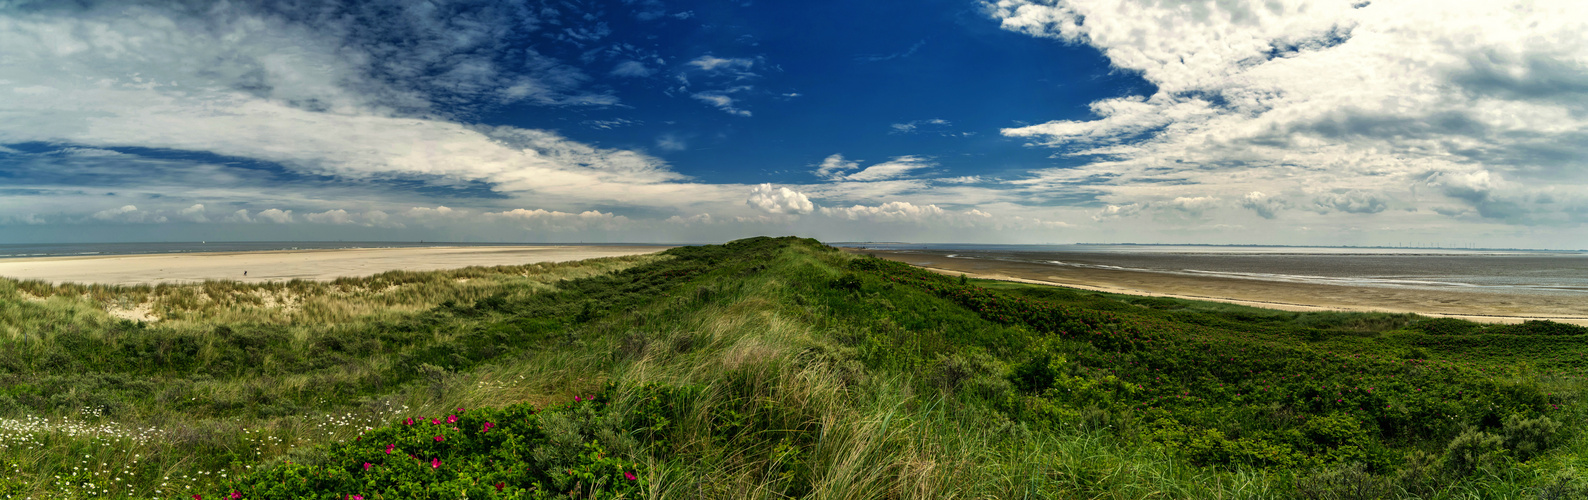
{"points": [[36, 250], [1301, 297], [284, 265]]}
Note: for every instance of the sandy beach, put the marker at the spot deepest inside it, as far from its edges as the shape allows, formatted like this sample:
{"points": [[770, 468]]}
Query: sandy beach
{"points": [[152, 269], [1475, 306]]}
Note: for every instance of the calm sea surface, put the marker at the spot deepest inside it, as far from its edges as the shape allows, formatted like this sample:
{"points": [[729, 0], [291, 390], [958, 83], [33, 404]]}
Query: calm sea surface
{"points": [[75, 249], [1500, 271]]}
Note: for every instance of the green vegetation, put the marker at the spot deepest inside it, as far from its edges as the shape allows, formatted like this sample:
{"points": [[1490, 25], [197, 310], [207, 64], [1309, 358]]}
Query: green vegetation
{"points": [[767, 368]]}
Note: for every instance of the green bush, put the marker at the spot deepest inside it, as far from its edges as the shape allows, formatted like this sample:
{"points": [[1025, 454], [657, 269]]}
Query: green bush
{"points": [[1528, 437], [511, 452], [1472, 450]]}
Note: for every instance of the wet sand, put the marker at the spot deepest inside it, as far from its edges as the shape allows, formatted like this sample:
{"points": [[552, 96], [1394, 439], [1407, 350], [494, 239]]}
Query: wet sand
{"points": [[1476, 306], [282, 265]]}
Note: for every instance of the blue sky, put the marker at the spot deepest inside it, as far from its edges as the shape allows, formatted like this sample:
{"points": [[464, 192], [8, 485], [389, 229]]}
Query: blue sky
{"points": [[1007, 121]]}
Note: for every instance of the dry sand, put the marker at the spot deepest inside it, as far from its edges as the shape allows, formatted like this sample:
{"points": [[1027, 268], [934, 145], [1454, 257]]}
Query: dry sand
{"points": [[153, 269], [1475, 306]]}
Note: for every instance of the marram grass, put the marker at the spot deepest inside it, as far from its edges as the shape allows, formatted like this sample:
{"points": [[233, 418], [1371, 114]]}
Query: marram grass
{"points": [[764, 368]]}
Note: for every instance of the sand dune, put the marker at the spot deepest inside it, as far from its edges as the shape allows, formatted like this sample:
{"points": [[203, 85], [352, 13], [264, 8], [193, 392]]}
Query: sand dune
{"points": [[290, 264], [1476, 306]]}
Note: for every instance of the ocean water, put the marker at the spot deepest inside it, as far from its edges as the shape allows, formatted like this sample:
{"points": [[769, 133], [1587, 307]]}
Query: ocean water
{"points": [[1498, 271], [86, 249]]}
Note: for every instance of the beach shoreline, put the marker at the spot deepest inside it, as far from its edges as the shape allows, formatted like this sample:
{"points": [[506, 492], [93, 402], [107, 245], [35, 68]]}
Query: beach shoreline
{"points": [[285, 265], [1472, 306]]}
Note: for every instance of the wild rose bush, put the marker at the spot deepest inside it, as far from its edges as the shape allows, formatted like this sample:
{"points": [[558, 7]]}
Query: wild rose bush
{"points": [[511, 452]]}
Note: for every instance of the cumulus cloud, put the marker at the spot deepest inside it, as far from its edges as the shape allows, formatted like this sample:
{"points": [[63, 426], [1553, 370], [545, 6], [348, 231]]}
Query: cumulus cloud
{"points": [[337, 216], [1316, 98], [1117, 211], [1266, 207], [560, 221], [1192, 205], [1350, 201], [903, 212], [780, 200], [128, 213], [194, 213], [275, 215], [893, 211], [697, 219], [240, 216]]}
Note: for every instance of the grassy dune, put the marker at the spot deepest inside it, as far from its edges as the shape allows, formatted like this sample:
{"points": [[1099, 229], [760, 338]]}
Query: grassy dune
{"points": [[766, 368]]}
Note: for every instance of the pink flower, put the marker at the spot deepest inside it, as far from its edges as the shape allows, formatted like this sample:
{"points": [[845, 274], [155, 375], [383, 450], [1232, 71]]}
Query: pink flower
{"points": [[460, 410], [499, 486], [236, 495], [389, 448], [435, 421], [435, 463], [577, 399], [198, 497], [440, 438], [410, 421], [367, 466], [487, 427], [629, 475], [452, 419]]}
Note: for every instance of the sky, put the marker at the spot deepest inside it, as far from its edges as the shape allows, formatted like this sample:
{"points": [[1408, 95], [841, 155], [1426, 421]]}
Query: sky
{"points": [[1297, 122]]}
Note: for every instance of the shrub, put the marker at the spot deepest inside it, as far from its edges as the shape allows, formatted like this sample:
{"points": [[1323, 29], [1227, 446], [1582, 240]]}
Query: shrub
{"points": [[1526, 438], [512, 452], [1472, 450]]}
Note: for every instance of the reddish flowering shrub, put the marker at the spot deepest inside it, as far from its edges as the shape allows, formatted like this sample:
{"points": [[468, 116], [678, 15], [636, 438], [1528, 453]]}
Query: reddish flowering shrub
{"points": [[491, 453]]}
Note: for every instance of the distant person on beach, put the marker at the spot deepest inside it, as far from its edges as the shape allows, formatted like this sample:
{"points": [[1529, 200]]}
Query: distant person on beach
{"points": [[245, 273]]}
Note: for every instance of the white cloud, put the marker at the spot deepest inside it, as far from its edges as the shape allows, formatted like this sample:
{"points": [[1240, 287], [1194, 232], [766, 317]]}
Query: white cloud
{"points": [[964, 179], [337, 216], [1117, 211], [712, 63], [896, 167], [1318, 99], [275, 215], [194, 213], [721, 100], [294, 94], [697, 219], [913, 126], [903, 212], [833, 167], [1350, 201], [893, 211], [1194, 206], [560, 221], [377, 218], [671, 142], [240, 216], [1265, 206], [128, 213], [632, 69], [780, 200]]}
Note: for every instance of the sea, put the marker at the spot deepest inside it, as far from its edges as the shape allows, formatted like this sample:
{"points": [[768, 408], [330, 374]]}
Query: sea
{"points": [[1552, 272], [86, 249]]}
